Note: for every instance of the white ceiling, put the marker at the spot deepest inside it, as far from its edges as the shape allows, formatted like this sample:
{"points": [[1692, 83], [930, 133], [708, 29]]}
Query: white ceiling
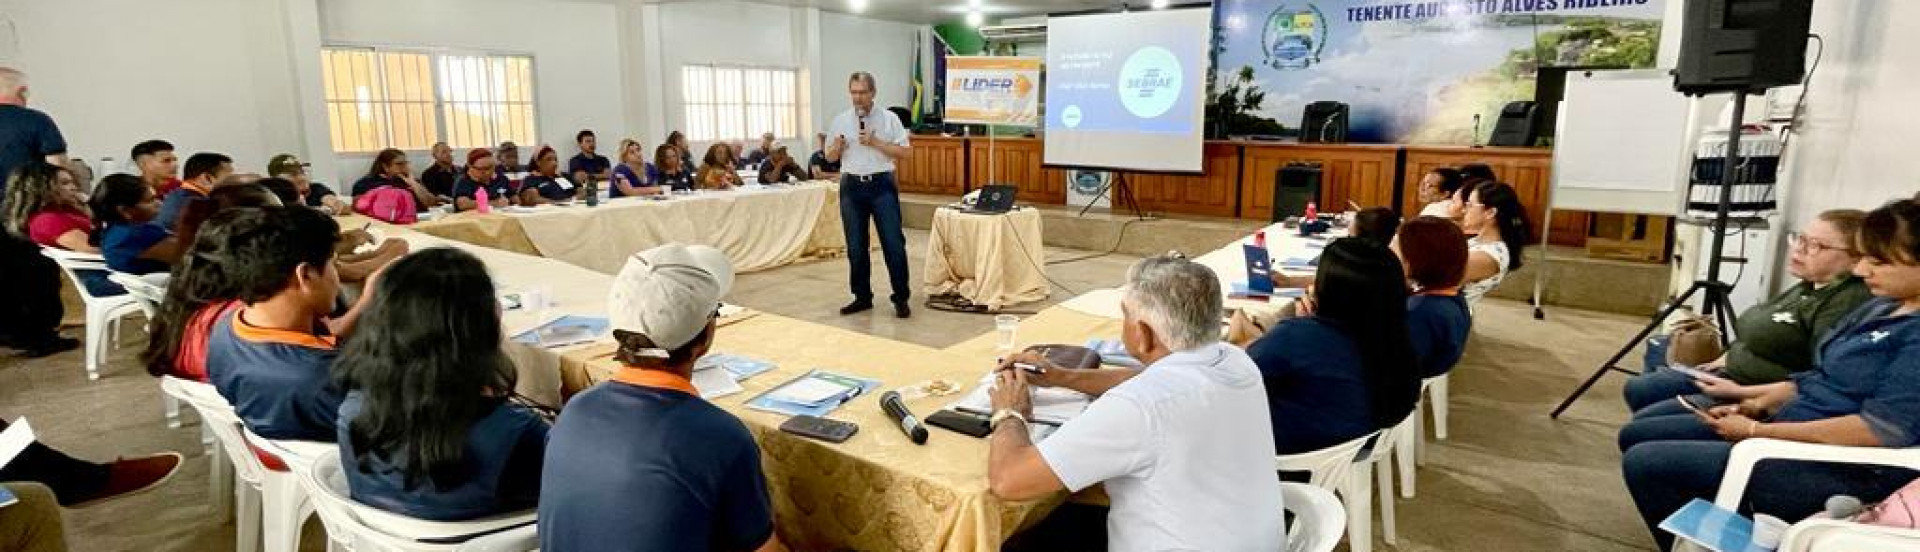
{"points": [[946, 11]]}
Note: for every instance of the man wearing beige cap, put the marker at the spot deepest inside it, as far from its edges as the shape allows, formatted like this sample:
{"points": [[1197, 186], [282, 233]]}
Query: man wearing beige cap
{"points": [[642, 462], [312, 194]]}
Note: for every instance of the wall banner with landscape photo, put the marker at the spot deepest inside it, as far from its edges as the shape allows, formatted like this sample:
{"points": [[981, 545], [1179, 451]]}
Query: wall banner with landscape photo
{"points": [[1413, 72]]}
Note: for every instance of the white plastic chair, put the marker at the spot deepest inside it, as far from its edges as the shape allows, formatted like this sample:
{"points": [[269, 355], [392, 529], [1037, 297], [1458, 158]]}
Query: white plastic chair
{"points": [[103, 313], [271, 503], [1818, 534], [1340, 469], [1379, 460], [354, 527], [1318, 518], [285, 509], [1413, 443], [148, 294]]}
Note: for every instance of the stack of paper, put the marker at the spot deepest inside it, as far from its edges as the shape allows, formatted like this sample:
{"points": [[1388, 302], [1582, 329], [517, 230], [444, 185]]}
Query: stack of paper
{"points": [[564, 331], [718, 375], [1051, 405]]}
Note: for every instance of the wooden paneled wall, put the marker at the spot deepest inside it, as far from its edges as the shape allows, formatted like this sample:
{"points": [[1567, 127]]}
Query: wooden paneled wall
{"points": [[1238, 176], [938, 166]]}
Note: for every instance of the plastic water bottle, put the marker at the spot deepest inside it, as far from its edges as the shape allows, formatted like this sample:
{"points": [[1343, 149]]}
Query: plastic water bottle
{"points": [[593, 191], [482, 201], [1260, 238], [1313, 212]]}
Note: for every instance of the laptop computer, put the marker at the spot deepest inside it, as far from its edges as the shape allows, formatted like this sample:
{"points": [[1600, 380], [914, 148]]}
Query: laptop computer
{"points": [[994, 199]]}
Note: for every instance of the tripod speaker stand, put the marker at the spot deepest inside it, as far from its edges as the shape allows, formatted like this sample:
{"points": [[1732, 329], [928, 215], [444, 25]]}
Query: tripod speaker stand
{"points": [[1715, 302], [1122, 196]]}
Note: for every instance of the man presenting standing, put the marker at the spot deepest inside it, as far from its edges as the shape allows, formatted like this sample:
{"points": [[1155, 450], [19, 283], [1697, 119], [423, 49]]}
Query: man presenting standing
{"points": [[866, 144]]}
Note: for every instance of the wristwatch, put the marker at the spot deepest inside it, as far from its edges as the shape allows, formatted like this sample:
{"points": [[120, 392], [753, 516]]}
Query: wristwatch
{"points": [[1004, 413]]}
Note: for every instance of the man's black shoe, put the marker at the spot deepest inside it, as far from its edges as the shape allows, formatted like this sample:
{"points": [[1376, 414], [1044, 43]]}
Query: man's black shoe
{"points": [[900, 310], [856, 306]]}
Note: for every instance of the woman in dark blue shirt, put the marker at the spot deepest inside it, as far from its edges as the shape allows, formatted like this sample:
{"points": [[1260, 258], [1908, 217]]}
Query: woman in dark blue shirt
{"points": [[1344, 368], [1438, 321], [544, 184], [123, 212], [427, 429], [670, 169], [1864, 391]]}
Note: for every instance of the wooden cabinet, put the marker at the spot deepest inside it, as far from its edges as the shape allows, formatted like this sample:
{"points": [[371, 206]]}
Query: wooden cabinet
{"points": [[1361, 173], [1528, 170], [938, 166]]}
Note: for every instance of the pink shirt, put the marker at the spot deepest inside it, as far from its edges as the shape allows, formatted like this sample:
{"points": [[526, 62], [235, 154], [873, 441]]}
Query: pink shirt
{"points": [[46, 226]]}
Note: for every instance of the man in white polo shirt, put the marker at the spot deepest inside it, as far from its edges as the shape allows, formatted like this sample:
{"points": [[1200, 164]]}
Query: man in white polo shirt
{"points": [[1184, 446], [866, 144]]}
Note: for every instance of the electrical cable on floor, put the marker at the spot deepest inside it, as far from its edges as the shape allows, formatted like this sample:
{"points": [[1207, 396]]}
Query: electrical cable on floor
{"points": [[1117, 242], [1028, 255]]}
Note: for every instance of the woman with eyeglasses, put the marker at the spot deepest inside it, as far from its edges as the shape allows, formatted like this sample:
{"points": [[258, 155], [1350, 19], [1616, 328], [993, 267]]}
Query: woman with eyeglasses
{"points": [[1777, 336], [1863, 390], [1497, 228]]}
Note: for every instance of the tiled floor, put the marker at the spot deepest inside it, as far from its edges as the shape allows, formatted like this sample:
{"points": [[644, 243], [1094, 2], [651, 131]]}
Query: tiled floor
{"points": [[1509, 477]]}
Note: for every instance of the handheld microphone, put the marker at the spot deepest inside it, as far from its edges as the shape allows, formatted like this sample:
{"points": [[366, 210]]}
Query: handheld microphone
{"points": [[896, 409]]}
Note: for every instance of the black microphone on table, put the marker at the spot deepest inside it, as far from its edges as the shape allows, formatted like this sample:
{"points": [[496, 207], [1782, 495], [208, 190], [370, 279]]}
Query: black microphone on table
{"points": [[897, 409]]}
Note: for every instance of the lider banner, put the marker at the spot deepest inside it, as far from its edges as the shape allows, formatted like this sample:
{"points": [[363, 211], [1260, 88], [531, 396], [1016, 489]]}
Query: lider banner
{"points": [[993, 90]]}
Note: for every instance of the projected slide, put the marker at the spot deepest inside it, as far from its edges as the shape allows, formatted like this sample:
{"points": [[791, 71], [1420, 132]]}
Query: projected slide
{"points": [[1125, 90]]}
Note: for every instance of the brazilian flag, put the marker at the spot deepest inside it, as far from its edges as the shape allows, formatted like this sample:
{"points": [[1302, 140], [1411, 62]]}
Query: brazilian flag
{"points": [[918, 82]]}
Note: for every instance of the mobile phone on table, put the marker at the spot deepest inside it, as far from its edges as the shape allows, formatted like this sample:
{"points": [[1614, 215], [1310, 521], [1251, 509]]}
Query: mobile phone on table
{"points": [[815, 427]]}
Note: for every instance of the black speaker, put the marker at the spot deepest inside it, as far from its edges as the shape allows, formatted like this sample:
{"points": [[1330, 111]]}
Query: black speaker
{"points": [[1742, 45], [1324, 122], [1515, 126], [1293, 186]]}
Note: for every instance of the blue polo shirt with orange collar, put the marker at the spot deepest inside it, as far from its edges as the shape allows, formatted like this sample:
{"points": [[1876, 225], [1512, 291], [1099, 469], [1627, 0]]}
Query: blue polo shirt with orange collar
{"points": [[643, 463], [175, 203], [279, 381]]}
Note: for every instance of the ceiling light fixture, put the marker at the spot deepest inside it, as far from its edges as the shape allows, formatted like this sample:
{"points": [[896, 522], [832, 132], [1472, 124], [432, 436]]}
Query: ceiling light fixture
{"points": [[1159, 4], [857, 5], [975, 18], [975, 4]]}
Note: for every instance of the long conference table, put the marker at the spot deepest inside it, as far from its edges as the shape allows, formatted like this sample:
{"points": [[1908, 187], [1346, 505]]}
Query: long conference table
{"points": [[760, 228], [876, 491]]}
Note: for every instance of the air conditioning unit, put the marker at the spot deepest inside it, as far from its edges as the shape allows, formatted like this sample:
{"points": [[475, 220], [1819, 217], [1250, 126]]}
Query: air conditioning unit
{"points": [[1005, 33]]}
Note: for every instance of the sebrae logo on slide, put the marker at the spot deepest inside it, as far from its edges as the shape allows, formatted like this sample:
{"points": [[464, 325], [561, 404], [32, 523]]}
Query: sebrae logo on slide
{"points": [[1294, 37], [1149, 82]]}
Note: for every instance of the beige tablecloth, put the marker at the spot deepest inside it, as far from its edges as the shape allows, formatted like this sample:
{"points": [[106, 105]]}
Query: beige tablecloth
{"points": [[1229, 263], [876, 491], [992, 260], [759, 229]]}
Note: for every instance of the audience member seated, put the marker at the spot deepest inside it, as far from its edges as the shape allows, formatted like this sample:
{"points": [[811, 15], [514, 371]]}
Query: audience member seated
{"points": [[759, 155], [306, 191], [390, 170], [427, 429], [1344, 366], [642, 462], [199, 294], [669, 169], [588, 163], [818, 165], [633, 177], [32, 522], [1183, 446], [1498, 231], [123, 209], [235, 191], [780, 168], [716, 170], [1472, 175], [1775, 338], [203, 170], [482, 171], [271, 358], [1863, 391], [545, 184], [438, 178], [44, 205], [157, 165], [1438, 321], [509, 156], [678, 140], [1374, 223], [1437, 189], [78, 483]]}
